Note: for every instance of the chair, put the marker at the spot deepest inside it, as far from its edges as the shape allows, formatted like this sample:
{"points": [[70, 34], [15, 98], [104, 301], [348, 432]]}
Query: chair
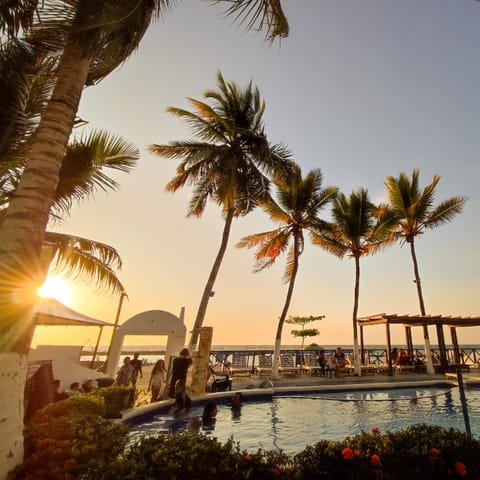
{"points": [[265, 367], [239, 365], [287, 366]]}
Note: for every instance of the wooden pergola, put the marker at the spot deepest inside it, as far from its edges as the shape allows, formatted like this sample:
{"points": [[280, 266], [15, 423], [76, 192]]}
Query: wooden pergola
{"points": [[409, 321]]}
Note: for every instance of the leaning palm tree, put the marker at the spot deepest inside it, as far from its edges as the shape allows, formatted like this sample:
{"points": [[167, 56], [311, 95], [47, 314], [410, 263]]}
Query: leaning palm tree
{"points": [[229, 163], [300, 201], [416, 213], [359, 228], [87, 40]]}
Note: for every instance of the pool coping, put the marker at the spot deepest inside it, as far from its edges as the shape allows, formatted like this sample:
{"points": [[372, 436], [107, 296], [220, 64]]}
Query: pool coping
{"points": [[136, 414]]}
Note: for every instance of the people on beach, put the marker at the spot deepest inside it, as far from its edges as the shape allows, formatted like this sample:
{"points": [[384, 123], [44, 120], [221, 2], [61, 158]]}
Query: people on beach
{"points": [[180, 367], [340, 360], [157, 380], [125, 373], [182, 400], [137, 368]]}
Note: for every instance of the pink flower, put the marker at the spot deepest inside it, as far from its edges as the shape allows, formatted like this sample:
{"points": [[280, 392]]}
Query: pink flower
{"points": [[375, 430], [347, 453], [375, 459], [460, 469]]}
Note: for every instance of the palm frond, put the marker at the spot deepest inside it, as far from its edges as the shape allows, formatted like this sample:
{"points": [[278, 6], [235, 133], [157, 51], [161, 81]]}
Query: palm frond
{"points": [[259, 14], [445, 211], [85, 260], [82, 171]]}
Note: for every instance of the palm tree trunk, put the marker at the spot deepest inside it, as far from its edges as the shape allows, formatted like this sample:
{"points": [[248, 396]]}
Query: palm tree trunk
{"points": [[22, 235], [426, 339], [283, 316], [356, 296], [208, 291]]}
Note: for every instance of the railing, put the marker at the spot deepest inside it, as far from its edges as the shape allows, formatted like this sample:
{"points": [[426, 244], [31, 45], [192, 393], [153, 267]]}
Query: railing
{"points": [[372, 356]]}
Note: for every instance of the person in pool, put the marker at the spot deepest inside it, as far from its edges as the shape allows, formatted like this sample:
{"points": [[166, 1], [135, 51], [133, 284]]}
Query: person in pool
{"points": [[182, 400]]}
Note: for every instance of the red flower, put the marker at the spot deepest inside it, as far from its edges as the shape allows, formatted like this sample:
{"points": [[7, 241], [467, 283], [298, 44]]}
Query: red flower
{"points": [[375, 430], [347, 453], [71, 462], [247, 457], [460, 469], [43, 442], [356, 453], [275, 471], [434, 451], [375, 459]]}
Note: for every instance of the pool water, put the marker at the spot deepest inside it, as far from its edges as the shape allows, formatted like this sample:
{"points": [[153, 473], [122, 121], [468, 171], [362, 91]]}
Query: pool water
{"points": [[291, 422]]}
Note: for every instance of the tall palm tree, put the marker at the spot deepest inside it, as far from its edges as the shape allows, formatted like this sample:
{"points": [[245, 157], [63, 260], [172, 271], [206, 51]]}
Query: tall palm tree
{"points": [[228, 164], [416, 213], [359, 228], [88, 40], [300, 201]]}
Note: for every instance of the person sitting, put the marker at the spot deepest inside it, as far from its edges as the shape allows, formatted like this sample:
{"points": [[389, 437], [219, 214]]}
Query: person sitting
{"points": [[403, 358], [322, 362], [340, 360], [75, 389], [182, 400], [88, 386]]}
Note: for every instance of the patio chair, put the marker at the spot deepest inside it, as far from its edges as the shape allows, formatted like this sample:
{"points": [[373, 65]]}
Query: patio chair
{"points": [[288, 367], [265, 367], [239, 365]]}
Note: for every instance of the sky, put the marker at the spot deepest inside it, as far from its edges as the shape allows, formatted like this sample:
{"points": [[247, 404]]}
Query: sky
{"points": [[360, 89]]}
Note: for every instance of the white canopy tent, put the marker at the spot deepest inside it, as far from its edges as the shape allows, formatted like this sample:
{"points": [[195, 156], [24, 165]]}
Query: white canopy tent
{"points": [[51, 312]]}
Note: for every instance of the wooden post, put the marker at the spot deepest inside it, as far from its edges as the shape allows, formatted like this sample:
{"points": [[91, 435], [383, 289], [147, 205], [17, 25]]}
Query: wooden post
{"points": [[201, 361]]}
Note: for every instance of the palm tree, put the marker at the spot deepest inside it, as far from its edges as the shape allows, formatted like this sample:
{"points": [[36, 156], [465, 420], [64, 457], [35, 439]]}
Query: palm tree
{"points": [[359, 228], [416, 213], [229, 163], [87, 40], [300, 201]]}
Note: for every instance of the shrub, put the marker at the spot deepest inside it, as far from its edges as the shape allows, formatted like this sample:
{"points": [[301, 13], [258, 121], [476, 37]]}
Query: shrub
{"points": [[193, 456], [63, 443], [116, 399], [418, 452]]}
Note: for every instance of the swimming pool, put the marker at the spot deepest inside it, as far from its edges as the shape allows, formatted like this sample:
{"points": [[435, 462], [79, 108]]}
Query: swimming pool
{"points": [[293, 420]]}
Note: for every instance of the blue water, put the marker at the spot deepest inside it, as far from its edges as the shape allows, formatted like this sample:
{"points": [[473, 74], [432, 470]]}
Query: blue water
{"points": [[293, 421]]}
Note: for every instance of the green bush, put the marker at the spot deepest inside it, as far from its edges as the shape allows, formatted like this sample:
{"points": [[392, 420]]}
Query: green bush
{"points": [[116, 399], [192, 456], [63, 444], [417, 452]]}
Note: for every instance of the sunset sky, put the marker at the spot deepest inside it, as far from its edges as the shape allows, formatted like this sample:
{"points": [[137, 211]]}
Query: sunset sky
{"points": [[361, 89]]}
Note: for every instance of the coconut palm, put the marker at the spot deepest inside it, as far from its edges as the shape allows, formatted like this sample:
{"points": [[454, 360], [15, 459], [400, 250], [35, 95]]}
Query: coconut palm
{"points": [[360, 228], [228, 164], [416, 213], [87, 40], [300, 201]]}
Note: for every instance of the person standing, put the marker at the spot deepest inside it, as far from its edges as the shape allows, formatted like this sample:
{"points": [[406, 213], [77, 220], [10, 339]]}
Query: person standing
{"points": [[137, 367], [157, 380], [180, 367], [125, 374]]}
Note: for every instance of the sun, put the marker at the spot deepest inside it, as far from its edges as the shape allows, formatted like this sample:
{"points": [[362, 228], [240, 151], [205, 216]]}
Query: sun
{"points": [[56, 287]]}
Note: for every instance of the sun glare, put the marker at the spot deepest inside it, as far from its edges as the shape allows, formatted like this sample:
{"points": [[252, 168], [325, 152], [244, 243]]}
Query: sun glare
{"points": [[55, 287]]}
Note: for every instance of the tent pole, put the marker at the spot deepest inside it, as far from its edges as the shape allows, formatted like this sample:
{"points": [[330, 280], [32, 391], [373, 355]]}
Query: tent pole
{"points": [[96, 348]]}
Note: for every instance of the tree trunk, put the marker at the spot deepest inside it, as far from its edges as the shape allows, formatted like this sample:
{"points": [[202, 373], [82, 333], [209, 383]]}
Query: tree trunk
{"points": [[283, 316], [356, 296], [23, 230], [426, 339], [208, 291], [13, 372]]}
